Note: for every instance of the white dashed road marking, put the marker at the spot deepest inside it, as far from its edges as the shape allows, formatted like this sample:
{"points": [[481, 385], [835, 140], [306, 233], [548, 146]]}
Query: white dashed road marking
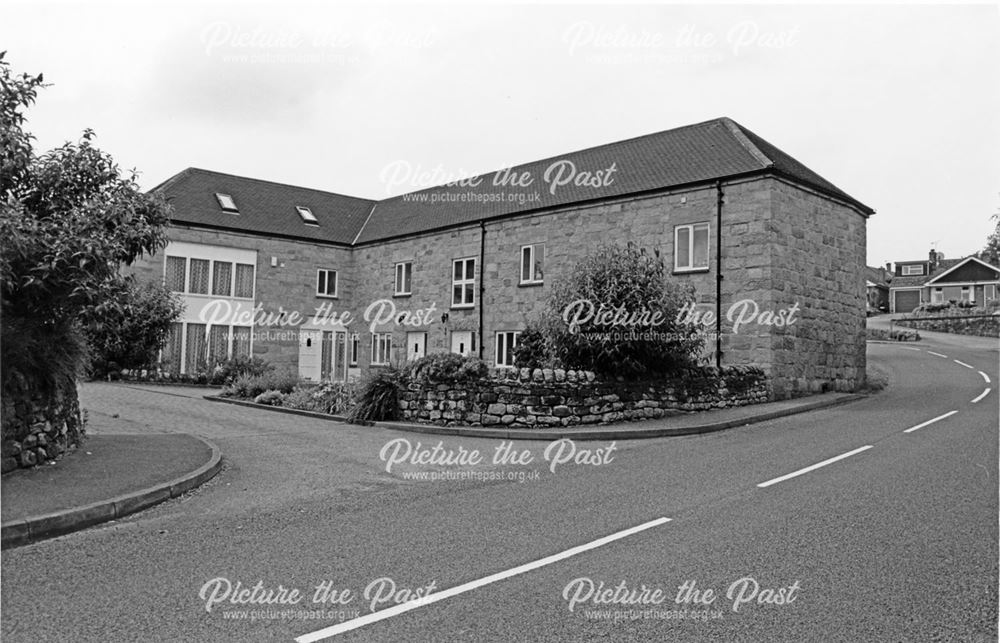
{"points": [[929, 422], [380, 615], [982, 395], [937, 354], [985, 377], [813, 467], [961, 363]]}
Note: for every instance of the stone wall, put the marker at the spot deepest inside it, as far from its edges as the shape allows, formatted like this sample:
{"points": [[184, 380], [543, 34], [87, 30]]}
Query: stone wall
{"points": [[39, 428], [545, 397], [959, 324]]}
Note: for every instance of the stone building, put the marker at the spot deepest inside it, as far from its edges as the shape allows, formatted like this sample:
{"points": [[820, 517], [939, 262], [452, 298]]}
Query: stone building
{"points": [[332, 285]]}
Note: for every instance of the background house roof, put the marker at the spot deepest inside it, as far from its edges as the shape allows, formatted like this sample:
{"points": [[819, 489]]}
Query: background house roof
{"points": [[877, 276], [920, 280], [692, 154]]}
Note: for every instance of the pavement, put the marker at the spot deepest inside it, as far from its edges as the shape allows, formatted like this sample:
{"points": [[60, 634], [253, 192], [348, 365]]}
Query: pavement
{"points": [[109, 476]]}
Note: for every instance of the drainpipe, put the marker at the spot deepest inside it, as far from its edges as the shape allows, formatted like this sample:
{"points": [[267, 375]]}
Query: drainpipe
{"points": [[718, 274], [482, 283]]}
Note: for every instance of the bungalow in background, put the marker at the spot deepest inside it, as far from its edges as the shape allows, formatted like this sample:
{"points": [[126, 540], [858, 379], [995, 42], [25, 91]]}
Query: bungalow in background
{"points": [[937, 280]]}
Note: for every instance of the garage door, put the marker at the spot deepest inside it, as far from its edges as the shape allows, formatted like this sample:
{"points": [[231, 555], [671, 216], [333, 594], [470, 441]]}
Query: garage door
{"points": [[907, 300]]}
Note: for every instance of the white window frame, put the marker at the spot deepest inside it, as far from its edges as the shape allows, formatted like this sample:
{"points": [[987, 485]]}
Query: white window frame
{"points": [[227, 202], [307, 215], [691, 227], [404, 282], [908, 271], [937, 295], [512, 335], [463, 282], [381, 349], [326, 272], [532, 254], [253, 279]]}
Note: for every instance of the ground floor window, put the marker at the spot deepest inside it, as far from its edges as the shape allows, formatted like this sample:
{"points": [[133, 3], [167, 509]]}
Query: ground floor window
{"points": [[355, 348], [191, 348], [381, 348], [506, 343]]}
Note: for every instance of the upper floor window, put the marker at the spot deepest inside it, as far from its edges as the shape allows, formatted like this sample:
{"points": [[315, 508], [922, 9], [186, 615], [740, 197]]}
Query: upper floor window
{"points": [[532, 259], [326, 283], [908, 271], [244, 280], [198, 278], [226, 202], [222, 278], [175, 275], [307, 216], [463, 283], [404, 277], [691, 247]]}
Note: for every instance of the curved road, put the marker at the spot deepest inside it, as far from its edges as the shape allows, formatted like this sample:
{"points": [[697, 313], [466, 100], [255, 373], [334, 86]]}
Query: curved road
{"points": [[732, 536]]}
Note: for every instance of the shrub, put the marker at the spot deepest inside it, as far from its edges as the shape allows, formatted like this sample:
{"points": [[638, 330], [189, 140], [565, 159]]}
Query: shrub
{"points": [[248, 386], [273, 398], [447, 367], [227, 371], [329, 397], [623, 281], [533, 349], [379, 396]]}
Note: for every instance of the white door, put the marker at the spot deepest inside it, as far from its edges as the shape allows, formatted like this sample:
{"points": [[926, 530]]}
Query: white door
{"points": [[416, 346], [310, 354], [463, 342]]}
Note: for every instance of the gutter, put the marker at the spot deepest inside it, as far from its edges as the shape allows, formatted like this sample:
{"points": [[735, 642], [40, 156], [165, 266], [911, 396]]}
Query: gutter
{"points": [[482, 283], [719, 196]]}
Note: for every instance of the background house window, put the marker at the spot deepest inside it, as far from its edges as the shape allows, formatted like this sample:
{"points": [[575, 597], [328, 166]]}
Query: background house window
{"points": [[198, 283], [506, 343], [355, 348], [174, 277], [326, 283], [381, 348], [226, 202], [222, 278], [463, 283], [532, 258], [404, 277], [909, 271], [937, 295], [691, 247], [244, 280]]}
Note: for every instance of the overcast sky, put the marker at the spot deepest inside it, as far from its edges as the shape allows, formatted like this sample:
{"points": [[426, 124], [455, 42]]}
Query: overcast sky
{"points": [[897, 105]]}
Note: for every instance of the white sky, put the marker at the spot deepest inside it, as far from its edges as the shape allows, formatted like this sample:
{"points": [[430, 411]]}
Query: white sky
{"points": [[897, 105]]}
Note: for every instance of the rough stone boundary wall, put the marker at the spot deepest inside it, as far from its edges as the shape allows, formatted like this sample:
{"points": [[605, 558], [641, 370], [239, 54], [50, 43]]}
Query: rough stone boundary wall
{"points": [[985, 326], [546, 397], [40, 428]]}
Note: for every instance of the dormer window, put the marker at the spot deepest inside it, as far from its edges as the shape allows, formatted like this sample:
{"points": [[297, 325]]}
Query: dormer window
{"points": [[307, 216], [226, 202], [916, 269]]}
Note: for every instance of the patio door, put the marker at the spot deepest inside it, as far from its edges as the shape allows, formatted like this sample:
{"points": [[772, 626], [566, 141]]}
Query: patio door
{"points": [[334, 358]]}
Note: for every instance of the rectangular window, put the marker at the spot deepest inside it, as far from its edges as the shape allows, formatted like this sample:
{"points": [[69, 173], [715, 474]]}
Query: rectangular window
{"points": [[532, 258], [244, 280], [174, 277], [355, 348], [222, 278], [226, 202], [326, 283], [381, 348], [463, 283], [506, 343], [967, 294], [691, 247], [241, 341], [404, 277], [218, 344], [909, 271], [937, 296], [197, 349], [173, 355], [307, 216], [198, 283]]}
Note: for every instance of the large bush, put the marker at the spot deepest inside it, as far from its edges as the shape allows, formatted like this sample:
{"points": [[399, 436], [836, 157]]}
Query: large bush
{"points": [[131, 336], [378, 398], [327, 397], [594, 316], [249, 386], [447, 367], [69, 220]]}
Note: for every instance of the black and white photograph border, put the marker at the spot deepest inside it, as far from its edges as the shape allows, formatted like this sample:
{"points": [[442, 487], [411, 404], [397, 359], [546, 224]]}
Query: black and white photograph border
{"points": [[474, 321]]}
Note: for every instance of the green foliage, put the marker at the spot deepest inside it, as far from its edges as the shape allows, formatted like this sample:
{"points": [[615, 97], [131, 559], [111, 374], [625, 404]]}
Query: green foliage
{"points": [[130, 336], [991, 252], [68, 221], [379, 396], [626, 279], [225, 372], [534, 349], [249, 386], [447, 367], [272, 398], [334, 398]]}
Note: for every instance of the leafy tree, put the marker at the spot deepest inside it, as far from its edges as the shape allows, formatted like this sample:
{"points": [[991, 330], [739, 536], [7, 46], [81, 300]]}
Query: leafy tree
{"points": [[991, 253], [630, 286], [69, 220]]}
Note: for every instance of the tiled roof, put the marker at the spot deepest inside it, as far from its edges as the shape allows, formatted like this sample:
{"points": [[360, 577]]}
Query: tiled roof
{"points": [[264, 207], [693, 154], [876, 275], [920, 280]]}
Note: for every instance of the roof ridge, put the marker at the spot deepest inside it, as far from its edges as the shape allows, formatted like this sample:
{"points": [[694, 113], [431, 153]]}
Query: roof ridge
{"points": [[279, 183], [737, 131]]}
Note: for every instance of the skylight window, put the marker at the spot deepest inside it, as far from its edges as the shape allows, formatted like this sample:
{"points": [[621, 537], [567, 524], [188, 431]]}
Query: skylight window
{"points": [[226, 202], [307, 216]]}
